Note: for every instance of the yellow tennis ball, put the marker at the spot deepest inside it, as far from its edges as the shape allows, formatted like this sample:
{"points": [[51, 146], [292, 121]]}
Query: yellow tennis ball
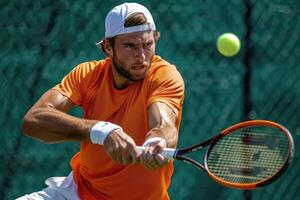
{"points": [[228, 44]]}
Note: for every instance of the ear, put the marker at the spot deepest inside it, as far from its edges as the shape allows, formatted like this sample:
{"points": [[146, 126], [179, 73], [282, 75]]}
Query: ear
{"points": [[107, 48]]}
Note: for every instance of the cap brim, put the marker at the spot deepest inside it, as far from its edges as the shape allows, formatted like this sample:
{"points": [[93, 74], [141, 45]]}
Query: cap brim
{"points": [[99, 43]]}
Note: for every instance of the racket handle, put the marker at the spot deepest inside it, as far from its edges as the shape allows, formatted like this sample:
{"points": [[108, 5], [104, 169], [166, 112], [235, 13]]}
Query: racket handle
{"points": [[168, 153]]}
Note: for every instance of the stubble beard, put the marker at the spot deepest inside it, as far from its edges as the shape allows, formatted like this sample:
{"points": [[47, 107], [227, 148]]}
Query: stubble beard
{"points": [[125, 73]]}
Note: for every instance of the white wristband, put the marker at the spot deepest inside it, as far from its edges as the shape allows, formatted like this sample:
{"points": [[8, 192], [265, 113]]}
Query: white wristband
{"points": [[101, 130], [154, 139]]}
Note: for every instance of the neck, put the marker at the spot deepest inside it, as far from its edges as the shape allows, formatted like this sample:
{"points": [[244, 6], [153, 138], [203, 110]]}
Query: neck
{"points": [[119, 81]]}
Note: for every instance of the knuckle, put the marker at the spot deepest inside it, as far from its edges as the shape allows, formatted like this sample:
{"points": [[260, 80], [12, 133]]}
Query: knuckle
{"points": [[110, 150]]}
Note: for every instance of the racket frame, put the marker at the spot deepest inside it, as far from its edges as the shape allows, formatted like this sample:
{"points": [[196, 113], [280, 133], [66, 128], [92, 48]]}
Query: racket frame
{"points": [[179, 154], [265, 181]]}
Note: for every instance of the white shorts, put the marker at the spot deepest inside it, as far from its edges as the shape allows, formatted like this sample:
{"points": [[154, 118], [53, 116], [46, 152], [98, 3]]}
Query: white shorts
{"points": [[59, 188]]}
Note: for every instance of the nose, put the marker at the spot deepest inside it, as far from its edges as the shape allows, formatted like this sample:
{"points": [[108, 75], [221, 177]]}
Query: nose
{"points": [[140, 54]]}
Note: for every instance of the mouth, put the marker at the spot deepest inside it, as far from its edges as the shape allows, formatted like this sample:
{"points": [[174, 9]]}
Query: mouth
{"points": [[138, 67]]}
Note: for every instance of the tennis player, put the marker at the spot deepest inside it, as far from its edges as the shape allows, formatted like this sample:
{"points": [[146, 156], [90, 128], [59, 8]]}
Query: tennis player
{"points": [[132, 98]]}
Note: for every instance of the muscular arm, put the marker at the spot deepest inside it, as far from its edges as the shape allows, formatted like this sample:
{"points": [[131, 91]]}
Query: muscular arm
{"points": [[47, 120], [161, 120]]}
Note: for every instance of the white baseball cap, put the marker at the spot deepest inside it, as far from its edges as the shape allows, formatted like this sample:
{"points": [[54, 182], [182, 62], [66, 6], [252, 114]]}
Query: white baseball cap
{"points": [[115, 19]]}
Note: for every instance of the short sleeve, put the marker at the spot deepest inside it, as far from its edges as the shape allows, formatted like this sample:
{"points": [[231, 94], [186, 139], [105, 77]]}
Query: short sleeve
{"points": [[167, 86], [74, 84]]}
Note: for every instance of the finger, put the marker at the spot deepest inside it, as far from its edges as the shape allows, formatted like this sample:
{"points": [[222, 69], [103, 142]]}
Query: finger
{"points": [[149, 165], [123, 156], [161, 160], [114, 157], [120, 154], [129, 158], [145, 157], [132, 151], [111, 153], [117, 157], [158, 162], [134, 155], [148, 157], [148, 160], [128, 151], [157, 149], [152, 165], [126, 159]]}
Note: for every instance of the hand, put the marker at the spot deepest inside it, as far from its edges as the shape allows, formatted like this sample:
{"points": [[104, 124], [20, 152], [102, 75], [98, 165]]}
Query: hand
{"points": [[121, 148], [152, 158]]}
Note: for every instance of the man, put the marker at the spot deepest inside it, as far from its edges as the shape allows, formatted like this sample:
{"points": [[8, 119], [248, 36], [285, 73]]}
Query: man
{"points": [[132, 98]]}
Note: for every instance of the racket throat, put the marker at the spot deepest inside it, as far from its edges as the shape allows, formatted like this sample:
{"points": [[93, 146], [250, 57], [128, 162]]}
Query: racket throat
{"points": [[190, 161]]}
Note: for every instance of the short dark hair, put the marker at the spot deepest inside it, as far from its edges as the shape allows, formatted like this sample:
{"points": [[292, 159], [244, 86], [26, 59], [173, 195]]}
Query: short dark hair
{"points": [[134, 19]]}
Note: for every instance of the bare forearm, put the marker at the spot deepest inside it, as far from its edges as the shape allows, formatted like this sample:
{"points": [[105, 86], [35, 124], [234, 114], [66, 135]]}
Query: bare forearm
{"points": [[162, 123], [51, 125], [169, 134], [163, 133]]}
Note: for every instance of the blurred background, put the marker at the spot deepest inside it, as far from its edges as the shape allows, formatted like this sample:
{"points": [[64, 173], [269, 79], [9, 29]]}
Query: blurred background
{"points": [[42, 40]]}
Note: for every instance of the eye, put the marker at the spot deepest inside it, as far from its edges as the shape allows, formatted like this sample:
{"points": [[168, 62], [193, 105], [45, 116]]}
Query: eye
{"points": [[148, 44], [129, 45]]}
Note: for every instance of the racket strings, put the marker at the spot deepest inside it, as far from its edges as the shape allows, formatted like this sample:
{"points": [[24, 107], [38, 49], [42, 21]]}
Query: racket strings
{"points": [[248, 155]]}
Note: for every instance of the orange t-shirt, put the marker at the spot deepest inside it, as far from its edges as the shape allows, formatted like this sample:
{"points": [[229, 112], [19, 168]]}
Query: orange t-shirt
{"points": [[90, 86]]}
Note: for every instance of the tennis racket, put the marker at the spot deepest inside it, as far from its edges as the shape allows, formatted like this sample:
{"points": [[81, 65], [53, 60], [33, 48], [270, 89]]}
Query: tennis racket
{"points": [[247, 155]]}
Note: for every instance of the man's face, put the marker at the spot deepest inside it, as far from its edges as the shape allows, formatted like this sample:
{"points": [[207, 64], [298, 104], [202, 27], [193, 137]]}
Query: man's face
{"points": [[132, 55]]}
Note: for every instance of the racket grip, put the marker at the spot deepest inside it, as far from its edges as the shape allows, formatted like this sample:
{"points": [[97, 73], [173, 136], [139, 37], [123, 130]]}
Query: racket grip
{"points": [[168, 153]]}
